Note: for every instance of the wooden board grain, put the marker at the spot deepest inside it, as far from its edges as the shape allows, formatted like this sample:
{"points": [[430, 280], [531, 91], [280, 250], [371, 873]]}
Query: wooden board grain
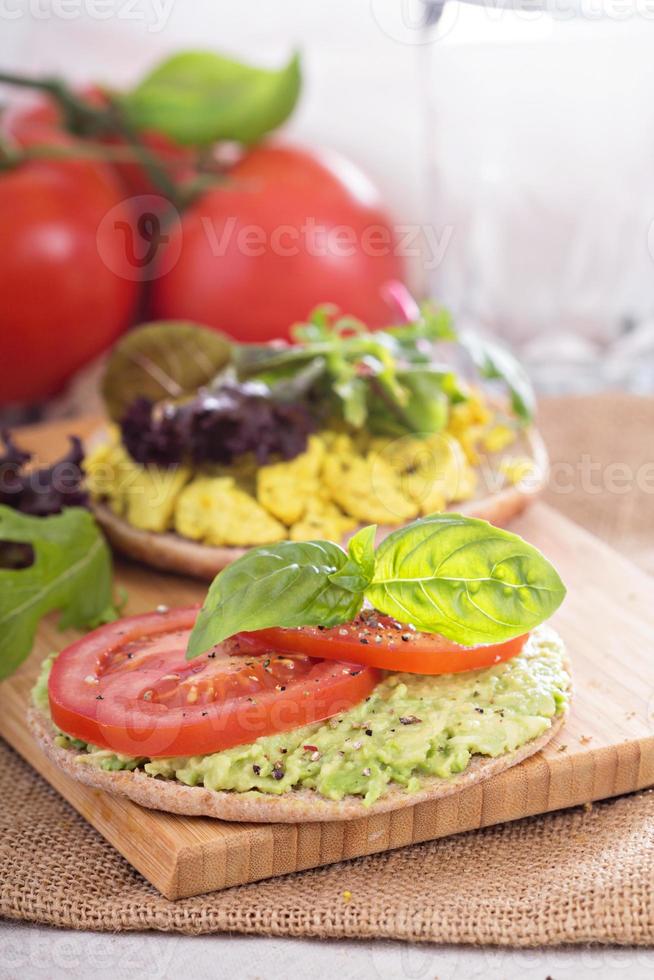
{"points": [[606, 748]]}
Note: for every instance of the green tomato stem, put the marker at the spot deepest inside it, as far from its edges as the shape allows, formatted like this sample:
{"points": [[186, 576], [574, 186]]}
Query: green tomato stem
{"points": [[83, 119]]}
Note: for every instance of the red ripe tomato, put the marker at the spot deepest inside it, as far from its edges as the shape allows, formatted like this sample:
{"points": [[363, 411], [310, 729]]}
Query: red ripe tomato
{"points": [[128, 687], [31, 123], [380, 641], [61, 302], [288, 230]]}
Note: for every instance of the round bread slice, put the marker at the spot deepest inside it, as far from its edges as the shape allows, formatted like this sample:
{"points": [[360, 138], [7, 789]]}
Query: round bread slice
{"points": [[173, 553], [296, 806]]}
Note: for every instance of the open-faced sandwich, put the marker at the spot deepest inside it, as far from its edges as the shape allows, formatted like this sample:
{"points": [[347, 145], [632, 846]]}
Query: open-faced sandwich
{"points": [[317, 683], [216, 447]]}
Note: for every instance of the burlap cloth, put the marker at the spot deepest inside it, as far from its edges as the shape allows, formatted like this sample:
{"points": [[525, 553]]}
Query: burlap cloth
{"points": [[577, 876]]}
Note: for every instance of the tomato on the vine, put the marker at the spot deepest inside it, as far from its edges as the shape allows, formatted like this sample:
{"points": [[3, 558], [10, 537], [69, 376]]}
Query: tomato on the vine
{"points": [[62, 300], [128, 687], [288, 229]]}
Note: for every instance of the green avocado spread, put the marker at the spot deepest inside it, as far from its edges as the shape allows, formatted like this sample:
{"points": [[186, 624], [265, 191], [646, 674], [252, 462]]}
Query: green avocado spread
{"points": [[410, 727]]}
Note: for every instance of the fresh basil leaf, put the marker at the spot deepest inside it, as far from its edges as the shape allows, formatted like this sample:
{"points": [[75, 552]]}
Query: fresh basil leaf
{"points": [[167, 359], [449, 574], [361, 549], [288, 584], [358, 571], [199, 97], [71, 572], [464, 578], [495, 362]]}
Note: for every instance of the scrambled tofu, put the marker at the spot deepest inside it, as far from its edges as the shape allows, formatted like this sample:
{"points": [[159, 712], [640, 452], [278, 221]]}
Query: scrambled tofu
{"points": [[431, 471], [215, 510], [365, 486], [287, 489], [144, 495], [338, 482], [498, 438], [322, 519], [468, 423]]}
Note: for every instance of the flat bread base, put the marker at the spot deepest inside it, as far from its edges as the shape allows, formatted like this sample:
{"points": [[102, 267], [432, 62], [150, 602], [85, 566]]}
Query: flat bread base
{"points": [[296, 806], [173, 553]]}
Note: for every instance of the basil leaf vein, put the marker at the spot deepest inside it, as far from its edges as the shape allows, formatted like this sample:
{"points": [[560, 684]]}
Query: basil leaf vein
{"points": [[465, 579]]}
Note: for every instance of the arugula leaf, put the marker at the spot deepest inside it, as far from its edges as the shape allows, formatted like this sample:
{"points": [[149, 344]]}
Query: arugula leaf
{"points": [[198, 97], [288, 584], [465, 579], [386, 381], [434, 324], [496, 362], [71, 572], [449, 574], [380, 379]]}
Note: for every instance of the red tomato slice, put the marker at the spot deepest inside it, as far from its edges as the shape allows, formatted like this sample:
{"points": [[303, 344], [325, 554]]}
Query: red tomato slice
{"points": [[128, 687], [380, 641]]}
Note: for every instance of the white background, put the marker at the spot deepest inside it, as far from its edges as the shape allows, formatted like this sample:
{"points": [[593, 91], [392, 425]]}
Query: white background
{"points": [[525, 141], [33, 953]]}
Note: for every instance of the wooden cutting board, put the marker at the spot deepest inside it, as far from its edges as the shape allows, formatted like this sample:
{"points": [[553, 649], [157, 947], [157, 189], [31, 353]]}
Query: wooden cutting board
{"points": [[606, 748]]}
